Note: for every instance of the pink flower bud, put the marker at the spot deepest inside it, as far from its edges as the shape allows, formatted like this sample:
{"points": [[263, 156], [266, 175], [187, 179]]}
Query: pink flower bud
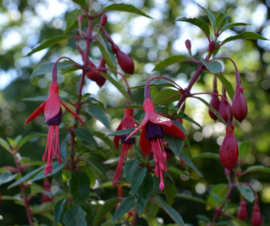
{"points": [[228, 151], [224, 108], [47, 188], [211, 46], [103, 20], [95, 75], [125, 62], [80, 19], [188, 44], [242, 212], [256, 219], [239, 104], [215, 104]]}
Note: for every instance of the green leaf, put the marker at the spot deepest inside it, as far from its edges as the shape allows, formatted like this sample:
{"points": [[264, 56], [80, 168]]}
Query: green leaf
{"points": [[169, 210], [246, 191], [79, 186], [72, 18], [143, 194], [117, 86], [189, 162], [96, 167], [237, 221], [221, 20], [166, 96], [169, 61], [104, 209], [137, 179], [198, 22], [207, 155], [170, 192], [97, 113], [129, 169], [82, 3], [179, 125], [210, 15], [176, 144], [228, 86], [244, 148], [213, 66], [86, 136], [244, 35], [63, 147], [75, 217], [217, 195], [47, 68], [106, 140], [258, 168], [153, 84], [108, 57], [6, 177], [58, 210], [29, 137], [123, 132], [49, 42], [125, 206], [126, 8], [133, 106], [184, 116], [39, 98], [230, 25], [4, 144]]}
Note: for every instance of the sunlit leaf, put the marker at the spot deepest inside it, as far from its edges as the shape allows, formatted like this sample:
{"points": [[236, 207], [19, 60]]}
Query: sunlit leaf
{"points": [[245, 35], [213, 66], [169, 61]]}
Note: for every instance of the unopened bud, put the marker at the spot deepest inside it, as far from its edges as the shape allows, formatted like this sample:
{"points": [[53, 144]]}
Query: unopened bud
{"points": [[239, 104], [95, 75], [224, 108], [214, 103], [211, 46], [80, 19], [242, 211], [256, 219], [188, 44], [125, 62], [103, 20]]}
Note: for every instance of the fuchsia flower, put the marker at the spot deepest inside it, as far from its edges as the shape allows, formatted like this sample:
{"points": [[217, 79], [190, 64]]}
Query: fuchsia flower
{"points": [[153, 127], [47, 188], [53, 115], [127, 123]]}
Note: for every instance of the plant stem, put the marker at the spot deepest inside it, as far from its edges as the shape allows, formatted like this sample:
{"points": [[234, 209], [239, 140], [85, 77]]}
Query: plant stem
{"points": [[135, 217]]}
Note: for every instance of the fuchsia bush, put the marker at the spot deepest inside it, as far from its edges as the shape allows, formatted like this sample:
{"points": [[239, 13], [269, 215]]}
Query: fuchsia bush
{"points": [[145, 172]]}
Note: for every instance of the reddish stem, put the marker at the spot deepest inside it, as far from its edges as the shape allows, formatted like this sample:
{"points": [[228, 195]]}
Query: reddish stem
{"points": [[134, 218]]}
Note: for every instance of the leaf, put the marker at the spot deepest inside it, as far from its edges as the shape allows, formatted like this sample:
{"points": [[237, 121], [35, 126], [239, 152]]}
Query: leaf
{"points": [[134, 106], [29, 137], [179, 125], [104, 209], [129, 169], [166, 96], [86, 136], [258, 168], [246, 191], [189, 162], [58, 210], [153, 84], [230, 25], [137, 179], [125, 206], [82, 3], [184, 116], [210, 15], [213, 66], [117, 86], [207, 155], [63, 147], [72, 18], [6, 177], [56, 167], [221, 20], [191, 198], [244, 148], [96, 166], [97, 113], [228, 86], [123, 132], [176, 144], [169, 210], [237, 221], [79, 186], [47, 68], [75, 217], [198, 22], [49, 42], [218, 191], [143, 194], [126, 8], [169, 61], [170, 192], [244, 35], [4, 144], [39, 98], [106, 140]]}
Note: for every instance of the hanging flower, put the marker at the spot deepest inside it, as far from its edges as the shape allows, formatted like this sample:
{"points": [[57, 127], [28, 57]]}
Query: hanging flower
{"points": [[153, 127], [128, 122], [53, 115]]}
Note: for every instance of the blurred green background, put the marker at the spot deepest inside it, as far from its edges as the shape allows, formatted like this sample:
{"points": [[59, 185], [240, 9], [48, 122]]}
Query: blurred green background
{"points": [[25, 23]]}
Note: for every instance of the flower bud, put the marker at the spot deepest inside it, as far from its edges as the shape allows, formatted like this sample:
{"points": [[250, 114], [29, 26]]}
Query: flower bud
{"points": [[224, 108], [95, 75], [125, 62], [80, 19], [239, 104], [188, 44], [228, 151], [215, 104], [103, 20], [211, 46], [256, 219], [47, 188], [242, 212]]}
